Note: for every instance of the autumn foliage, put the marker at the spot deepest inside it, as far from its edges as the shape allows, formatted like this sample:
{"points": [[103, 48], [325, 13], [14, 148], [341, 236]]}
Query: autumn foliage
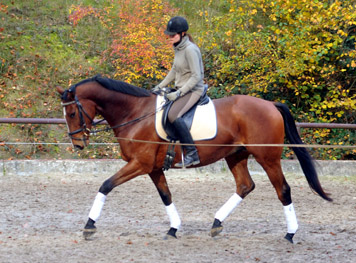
{"points": [[302, 52], [299, 52], [139, 50]]}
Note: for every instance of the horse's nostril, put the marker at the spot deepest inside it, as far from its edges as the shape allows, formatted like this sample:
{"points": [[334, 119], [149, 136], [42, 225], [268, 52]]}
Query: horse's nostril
{"points": [[79, 147]]}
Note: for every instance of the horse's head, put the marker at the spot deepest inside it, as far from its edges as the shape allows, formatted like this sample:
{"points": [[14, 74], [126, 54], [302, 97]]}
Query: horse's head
{"points": [[79, 115]]}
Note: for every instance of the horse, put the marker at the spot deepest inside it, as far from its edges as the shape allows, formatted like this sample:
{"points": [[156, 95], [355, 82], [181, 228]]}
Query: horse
{"points": [[242, 122]]}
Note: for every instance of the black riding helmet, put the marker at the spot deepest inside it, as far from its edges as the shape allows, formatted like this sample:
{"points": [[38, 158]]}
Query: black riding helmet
{"points": [[176, 25]]}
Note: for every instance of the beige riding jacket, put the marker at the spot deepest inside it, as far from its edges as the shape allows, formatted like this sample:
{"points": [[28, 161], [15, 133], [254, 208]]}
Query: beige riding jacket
{"points": [[187, 70]]}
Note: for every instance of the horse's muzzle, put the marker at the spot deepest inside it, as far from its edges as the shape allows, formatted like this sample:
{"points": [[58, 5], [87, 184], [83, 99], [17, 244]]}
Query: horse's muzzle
{"points": [[78, 147]]}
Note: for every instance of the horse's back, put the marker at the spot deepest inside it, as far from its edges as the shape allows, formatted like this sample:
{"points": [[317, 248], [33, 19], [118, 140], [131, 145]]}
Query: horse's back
{"points": [[246, 104], [257, 120]]}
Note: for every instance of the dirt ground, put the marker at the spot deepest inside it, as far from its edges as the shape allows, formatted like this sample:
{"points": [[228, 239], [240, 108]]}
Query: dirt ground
{"points": [[42, 217]]}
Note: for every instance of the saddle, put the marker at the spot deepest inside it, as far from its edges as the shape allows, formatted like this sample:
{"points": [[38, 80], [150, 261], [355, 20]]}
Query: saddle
{"points": [[187, 117], [200, 119]]}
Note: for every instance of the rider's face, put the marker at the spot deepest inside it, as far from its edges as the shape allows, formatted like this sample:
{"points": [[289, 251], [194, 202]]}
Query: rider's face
{"points": [[174, 39]]}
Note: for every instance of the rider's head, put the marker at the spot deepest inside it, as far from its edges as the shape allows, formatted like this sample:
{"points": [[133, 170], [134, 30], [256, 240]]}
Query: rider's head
{"points": [[176, 25], [177, 28]]}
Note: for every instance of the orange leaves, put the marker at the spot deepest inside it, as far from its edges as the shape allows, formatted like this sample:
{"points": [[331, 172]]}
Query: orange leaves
{"points": [[140, 45], [76, 13], [139, 49], [3, 8]]}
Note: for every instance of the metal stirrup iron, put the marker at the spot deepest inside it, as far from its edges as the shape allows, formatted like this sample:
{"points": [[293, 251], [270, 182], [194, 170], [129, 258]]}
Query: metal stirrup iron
{"points": [[169, 156]]}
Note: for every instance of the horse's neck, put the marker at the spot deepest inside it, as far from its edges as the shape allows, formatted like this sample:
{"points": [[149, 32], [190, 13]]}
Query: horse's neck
{"points": [[119, 108], [116, 107]]}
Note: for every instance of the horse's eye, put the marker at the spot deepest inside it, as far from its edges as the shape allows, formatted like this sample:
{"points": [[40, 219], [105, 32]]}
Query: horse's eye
{"points": [[72, 115]]}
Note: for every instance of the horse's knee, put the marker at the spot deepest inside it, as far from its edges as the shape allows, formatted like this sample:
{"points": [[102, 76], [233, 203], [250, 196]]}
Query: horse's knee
{"points": [[106, 187]]}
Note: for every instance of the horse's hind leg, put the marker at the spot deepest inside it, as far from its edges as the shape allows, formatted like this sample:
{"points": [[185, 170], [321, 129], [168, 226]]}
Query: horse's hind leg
{"points": [[244, 185], [274, 171], [160, 182]]}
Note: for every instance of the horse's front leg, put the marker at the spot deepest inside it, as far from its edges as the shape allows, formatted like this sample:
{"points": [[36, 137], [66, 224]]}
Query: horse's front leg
{"points": [[129, 171], [160, 182]]}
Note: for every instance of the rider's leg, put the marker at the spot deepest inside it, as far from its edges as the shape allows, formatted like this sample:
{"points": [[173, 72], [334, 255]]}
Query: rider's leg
{"points": [[191, 154], [179, 107]]}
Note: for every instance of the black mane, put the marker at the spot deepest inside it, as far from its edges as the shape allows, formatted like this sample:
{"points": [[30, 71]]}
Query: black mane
{"points": [[121, 86], [112, 84]]}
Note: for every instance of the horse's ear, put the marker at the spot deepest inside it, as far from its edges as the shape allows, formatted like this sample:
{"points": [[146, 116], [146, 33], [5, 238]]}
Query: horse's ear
{"points": [[60, 90]]}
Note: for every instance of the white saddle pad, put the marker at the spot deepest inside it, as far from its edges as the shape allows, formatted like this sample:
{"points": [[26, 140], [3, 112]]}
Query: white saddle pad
{"points": [[204, 126]]}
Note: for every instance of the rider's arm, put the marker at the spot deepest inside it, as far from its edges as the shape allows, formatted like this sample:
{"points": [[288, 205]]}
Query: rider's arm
{"points": [[169, 78]]}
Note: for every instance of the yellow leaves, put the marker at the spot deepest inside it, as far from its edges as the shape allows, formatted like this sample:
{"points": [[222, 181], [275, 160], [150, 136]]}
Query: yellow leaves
{"points": [[341, 33], [330, 104], [340, 114], [228, 33], [253, 12]]}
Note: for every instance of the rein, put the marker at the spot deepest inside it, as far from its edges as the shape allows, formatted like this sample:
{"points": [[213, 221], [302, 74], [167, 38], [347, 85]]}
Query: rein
{"points": [[87, 131]]}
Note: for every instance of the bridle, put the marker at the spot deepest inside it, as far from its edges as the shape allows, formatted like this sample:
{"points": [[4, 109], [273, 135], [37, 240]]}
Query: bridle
{"points": [[86, 131], [83, 126]]}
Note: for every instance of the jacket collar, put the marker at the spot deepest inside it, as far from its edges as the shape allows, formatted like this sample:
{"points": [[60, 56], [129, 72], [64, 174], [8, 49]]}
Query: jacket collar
{"points": [[183, 44]]}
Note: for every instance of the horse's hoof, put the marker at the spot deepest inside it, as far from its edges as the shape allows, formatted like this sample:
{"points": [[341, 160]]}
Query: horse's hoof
{"points": [[171, 234], [88, 233], [169, 237], [289, 237], [216, 231]]}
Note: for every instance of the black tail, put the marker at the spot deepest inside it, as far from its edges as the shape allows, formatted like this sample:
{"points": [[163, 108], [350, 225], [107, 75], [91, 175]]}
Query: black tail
{"points": [[305, 160]]}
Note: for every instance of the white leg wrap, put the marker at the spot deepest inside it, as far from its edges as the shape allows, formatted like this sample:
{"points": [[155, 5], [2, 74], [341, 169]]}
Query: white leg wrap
{"points": [[291, 218], [98, 204], [173, 216], [228, 207]]}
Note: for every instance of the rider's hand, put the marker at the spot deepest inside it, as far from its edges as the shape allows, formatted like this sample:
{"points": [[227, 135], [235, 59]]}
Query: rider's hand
{"points": [[156, 89], [173, 95]]}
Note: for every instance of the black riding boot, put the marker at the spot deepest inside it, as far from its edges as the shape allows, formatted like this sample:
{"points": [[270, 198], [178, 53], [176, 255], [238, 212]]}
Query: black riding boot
{"points": [[191, 156]]}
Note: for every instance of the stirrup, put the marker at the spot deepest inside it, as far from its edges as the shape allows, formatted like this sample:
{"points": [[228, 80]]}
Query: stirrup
{"points": [[182, 164], [169, 156], [185, 161]]}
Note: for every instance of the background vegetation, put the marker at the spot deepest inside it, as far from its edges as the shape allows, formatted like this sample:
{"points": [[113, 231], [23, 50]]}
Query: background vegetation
{"points": [[301, 53]]}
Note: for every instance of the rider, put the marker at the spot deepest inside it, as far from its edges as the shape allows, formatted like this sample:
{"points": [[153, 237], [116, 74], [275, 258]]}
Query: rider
{"points": [[188, 73]]}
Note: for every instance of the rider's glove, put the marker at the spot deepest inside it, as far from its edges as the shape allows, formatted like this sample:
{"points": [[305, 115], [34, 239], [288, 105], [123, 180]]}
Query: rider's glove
{"points": [[174, 95], [156, 89]]}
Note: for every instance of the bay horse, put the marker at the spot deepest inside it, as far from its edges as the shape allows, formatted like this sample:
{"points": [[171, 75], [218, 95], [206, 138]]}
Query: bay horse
{"points": [[242, 120]]}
